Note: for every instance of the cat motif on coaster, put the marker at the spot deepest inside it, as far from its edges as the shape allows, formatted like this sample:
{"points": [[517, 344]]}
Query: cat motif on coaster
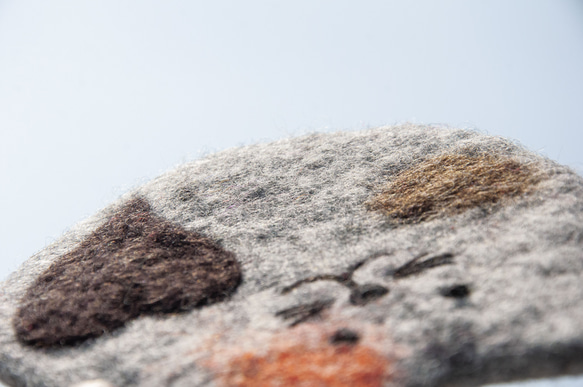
{"points": [[398, 256]]}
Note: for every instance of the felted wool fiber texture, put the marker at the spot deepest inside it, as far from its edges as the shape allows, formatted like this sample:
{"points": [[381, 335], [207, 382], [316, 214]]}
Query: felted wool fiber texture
{"points": [[398, 256], [134, 264]]}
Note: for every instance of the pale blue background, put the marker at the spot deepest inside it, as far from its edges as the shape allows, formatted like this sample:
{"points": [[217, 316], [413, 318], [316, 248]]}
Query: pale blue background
{"points": [[99, 96]]}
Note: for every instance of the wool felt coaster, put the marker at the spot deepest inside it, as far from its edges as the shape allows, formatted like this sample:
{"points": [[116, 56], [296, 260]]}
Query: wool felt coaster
{"points": [[398, 256]]}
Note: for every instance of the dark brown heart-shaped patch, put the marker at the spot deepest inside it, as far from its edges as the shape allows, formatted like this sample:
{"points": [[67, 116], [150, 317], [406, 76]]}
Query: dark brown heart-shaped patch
{"points": [[135, 264]]}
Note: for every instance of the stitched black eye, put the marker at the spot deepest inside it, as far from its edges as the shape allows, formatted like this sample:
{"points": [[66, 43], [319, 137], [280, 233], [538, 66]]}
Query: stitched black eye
{"points": [[455, 291], [366, 293]]}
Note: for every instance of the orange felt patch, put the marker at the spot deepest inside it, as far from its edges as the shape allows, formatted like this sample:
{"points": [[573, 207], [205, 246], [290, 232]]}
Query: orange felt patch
{"points": [[325, 365]]}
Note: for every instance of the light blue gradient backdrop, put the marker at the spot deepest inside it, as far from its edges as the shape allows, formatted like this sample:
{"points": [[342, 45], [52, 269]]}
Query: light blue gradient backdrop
{"points": [[99, 96]]}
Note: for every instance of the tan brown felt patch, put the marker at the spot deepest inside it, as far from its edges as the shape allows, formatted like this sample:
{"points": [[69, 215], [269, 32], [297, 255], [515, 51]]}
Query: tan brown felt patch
{"points": [[451, 183], [135, 264]]}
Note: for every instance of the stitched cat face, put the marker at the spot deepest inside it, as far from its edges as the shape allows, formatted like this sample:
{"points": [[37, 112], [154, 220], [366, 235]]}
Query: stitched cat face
{"points": [[395, 256]]}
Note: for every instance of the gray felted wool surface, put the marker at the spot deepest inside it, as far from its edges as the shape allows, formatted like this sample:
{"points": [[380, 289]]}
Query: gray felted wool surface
{"points": [[462, 288]]}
